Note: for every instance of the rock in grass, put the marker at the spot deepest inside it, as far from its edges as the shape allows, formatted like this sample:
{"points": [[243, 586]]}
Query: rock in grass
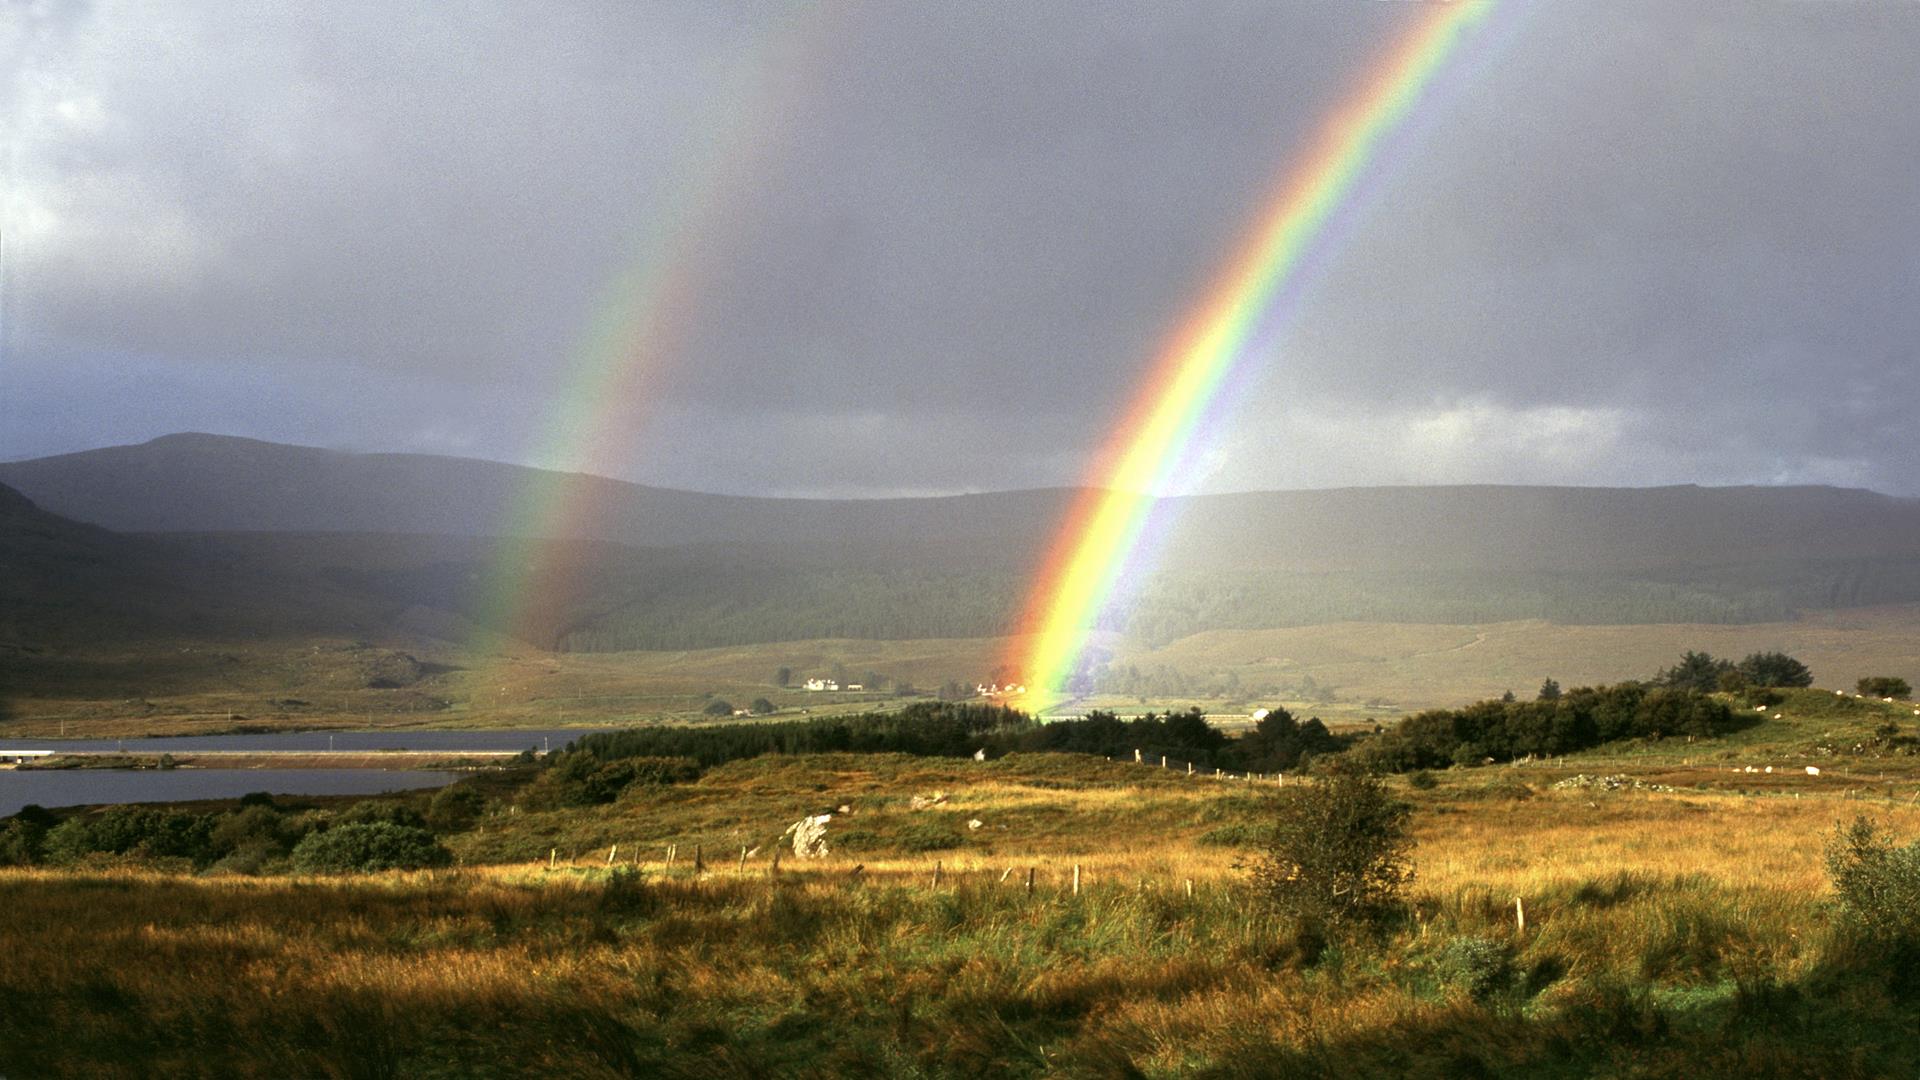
{"points": [[810, 836]]}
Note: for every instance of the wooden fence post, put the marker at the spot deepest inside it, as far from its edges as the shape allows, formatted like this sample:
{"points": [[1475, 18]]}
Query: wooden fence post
{"points": [[1029, 881], [1076, 879], [610, 853], [552, 855], [936, 874], [672, 849], [1189, 888], [1520, 916], [774, 869], [699, 862], [1005, 876], [743, 860]]}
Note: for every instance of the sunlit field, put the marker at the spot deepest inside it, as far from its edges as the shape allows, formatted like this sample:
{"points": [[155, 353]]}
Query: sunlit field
{"points": [[1679, 933]]}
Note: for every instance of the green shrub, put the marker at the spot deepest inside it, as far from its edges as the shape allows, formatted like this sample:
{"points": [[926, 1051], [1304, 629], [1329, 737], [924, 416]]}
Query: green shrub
{"points": [[133, 830], [1876, 884], [1422, 780], [21, 842], [455, 808], [1468, 754], [1775, 669], [625, 893], [579, 778], [1337, 851], [248, 859], [1884, 686], [1481, 966], [253, 827], [368, 847], [380, 812]]}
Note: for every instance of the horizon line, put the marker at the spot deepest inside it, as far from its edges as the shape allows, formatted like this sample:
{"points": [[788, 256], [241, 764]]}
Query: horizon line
{"points": [[921, 496]]}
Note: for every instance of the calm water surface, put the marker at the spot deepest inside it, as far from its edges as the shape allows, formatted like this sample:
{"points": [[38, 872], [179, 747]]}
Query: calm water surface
{"points": [[84, 787], [450, 741]]}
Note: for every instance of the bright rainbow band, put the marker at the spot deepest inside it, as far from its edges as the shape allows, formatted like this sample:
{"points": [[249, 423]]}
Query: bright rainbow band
{"points": [[1100, 536]]}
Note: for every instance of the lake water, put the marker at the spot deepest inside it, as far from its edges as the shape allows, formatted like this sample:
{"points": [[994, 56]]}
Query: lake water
{"points": [[449, 741], [84, 787]]}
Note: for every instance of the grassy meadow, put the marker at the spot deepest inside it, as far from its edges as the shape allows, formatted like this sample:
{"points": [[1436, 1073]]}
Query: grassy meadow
{"points": [[1680, 932]]}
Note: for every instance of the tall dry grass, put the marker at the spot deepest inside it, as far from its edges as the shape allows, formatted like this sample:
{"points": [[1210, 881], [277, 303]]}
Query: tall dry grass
{"points": [[1667, 935]]}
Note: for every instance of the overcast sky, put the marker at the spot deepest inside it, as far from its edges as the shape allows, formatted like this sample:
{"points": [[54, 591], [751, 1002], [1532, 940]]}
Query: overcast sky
{"points": [[900, 247]]}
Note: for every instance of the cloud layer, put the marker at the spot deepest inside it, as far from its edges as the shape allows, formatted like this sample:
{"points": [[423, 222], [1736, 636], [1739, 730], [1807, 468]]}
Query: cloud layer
{"points": [[892, 248]]}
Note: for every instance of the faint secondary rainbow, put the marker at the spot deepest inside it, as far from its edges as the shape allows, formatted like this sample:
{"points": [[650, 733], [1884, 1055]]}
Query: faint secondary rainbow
{"points": [[1104, 528], [637, 333]]}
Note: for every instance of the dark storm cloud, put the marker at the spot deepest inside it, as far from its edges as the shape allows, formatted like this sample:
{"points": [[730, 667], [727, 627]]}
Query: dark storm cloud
{"points": [[933, 248]]}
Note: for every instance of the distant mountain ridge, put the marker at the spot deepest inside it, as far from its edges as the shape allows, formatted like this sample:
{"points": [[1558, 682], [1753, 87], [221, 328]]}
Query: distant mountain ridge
{"points": [[356, 538], [208, 483], [214, 483]]}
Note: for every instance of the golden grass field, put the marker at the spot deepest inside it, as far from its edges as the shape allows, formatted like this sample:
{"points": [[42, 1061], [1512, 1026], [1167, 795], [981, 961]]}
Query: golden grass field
{"points": [[1668, 934]]}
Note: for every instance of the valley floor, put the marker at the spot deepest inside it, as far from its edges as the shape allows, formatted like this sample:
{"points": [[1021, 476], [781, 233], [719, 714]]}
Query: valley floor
{"points": [[1344, 673]]}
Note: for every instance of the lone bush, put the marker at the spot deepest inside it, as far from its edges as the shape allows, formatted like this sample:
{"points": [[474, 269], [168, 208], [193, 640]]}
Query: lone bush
{"points": [[1338, 850], [368, 847], [1481, 966], [1884, 686], [1876, 883]]}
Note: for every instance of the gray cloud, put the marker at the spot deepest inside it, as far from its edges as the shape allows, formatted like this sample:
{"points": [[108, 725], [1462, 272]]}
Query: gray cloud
{"points": [[914, 249]]}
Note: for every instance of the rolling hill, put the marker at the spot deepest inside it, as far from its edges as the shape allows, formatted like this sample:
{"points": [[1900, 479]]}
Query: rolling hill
{"points": [[64, 583], [340, 539]]}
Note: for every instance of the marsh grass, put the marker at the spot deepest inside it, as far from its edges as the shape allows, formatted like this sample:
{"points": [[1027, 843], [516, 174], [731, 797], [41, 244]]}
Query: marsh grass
{"points": [[1667, 935]]}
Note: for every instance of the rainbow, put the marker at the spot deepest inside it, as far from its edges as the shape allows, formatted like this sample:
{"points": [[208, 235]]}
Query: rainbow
{"points": [[1105, 526], [637, 331]]}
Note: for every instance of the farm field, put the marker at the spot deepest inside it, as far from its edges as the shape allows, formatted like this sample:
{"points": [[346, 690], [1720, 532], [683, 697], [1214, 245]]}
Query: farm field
{"points": [[1682, 927]]}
